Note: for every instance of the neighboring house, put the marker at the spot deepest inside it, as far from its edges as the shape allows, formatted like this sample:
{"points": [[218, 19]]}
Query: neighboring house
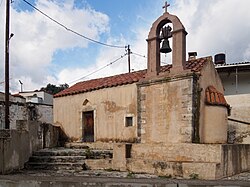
{"points": [[21, 110], [235, 78], [40, 97], [236, 81]]}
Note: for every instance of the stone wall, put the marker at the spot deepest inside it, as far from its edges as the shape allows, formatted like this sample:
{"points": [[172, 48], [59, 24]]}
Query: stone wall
{"points": [[165, 109], [16, 146], [41, 112], [26, 111], [203, 161], [239, 120], [18, 111]]}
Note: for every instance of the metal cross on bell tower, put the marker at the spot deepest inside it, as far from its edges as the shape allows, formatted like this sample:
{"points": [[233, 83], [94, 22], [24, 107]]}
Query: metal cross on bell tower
{"points": [[166, 6]]}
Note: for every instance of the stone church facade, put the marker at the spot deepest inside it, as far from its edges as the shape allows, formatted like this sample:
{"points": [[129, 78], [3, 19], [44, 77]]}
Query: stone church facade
{"points": [[166, 120]]}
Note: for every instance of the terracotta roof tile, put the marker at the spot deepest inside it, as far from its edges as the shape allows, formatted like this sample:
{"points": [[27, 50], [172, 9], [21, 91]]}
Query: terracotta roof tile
{"points": [[214, 97], [122, 79]]}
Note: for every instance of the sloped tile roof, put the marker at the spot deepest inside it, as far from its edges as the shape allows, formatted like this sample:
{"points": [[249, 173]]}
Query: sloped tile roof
{"points": [[123, 79], [214, 97]]}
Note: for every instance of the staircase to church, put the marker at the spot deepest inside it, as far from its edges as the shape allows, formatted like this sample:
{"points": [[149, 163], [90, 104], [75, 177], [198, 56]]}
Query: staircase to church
{"points": [[72, 157]]}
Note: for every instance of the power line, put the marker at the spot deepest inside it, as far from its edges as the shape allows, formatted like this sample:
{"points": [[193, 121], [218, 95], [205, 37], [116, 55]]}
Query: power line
{"points": [[133, 53], [100, 68], [70, 30]]}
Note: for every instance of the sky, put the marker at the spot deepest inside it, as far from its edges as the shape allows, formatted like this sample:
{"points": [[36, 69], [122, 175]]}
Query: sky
{"points": [[43, 52]]}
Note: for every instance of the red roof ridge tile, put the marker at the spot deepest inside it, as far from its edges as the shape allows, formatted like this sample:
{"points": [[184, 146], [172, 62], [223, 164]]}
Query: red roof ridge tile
{"points": [[215, 98]]}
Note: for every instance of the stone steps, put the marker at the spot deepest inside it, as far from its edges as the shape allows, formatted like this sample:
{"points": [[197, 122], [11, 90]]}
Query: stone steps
{"points": [[57, 159], [78, 166], [56, 166], [70, 159], [89, 145], [88, 153]]}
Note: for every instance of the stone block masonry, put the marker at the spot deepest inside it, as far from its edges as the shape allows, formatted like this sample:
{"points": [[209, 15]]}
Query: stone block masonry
{"points": [[203, 161], [165, 109]]}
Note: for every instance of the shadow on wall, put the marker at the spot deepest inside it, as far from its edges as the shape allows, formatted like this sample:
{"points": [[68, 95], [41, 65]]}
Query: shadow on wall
{"points": [[17, 145]]}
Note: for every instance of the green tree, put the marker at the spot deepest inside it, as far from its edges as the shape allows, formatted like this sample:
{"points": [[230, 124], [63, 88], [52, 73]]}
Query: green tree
{"points": [[53, 89]]}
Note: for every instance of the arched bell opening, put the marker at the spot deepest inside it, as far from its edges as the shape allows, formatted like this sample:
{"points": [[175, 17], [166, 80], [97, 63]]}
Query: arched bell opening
{"points": [[165, 43], [177, 55]]}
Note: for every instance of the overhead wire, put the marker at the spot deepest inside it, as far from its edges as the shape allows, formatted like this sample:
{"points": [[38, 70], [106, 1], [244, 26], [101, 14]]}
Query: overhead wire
{"points": [[133, 53], [87, 38], [114, 61], [2, 82], [70, 30]]}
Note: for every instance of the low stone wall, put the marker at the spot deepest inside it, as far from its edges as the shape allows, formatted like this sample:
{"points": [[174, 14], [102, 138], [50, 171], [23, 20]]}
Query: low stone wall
{"points": [[16, 146], [203, 161], [15, 151]]}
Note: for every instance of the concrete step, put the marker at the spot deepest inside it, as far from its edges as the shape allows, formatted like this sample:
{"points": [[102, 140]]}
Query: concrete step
{"points": [[78, 166], [56, 166], [88, 153], [89, 145], [70, 159], [58, 159]]}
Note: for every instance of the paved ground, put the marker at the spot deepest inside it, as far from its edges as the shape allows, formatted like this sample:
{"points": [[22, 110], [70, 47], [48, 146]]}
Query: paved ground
{"points": [[111, 178]]}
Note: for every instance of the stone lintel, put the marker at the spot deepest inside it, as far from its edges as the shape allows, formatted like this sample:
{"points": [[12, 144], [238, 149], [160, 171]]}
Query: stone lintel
{"points": [[170, 78]]}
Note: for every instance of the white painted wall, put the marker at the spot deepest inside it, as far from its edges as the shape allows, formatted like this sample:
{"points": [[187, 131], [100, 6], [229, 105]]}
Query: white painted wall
{"points": [[229, 83], [42, 97]]}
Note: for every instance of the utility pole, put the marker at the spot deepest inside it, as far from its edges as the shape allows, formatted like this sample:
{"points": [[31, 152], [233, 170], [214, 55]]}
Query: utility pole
{"points": [[7, 39], [129, 59]]}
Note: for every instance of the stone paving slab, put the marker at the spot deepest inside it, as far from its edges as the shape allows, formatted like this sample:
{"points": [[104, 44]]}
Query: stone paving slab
{"points": [[97, 178], [243, 176]]}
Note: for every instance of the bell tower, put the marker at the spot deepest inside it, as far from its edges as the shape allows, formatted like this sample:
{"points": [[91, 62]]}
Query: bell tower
{"points": [[159, 32]]}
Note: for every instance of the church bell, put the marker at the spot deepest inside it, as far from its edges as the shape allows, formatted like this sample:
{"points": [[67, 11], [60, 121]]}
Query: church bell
{"points": [[165, 47]]}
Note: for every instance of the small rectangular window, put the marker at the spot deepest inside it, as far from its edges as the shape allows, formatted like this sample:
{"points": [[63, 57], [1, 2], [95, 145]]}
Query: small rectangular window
{"points": [[128, 148], [129, 121]]}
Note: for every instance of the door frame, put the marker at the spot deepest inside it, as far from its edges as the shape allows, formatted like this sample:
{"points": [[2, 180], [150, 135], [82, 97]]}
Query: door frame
{"points": [[83, 124]]}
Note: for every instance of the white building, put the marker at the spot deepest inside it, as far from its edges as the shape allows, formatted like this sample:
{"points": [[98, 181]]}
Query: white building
{"points": [[235, 78], [236, 81], [21, 110], [40, 97]]}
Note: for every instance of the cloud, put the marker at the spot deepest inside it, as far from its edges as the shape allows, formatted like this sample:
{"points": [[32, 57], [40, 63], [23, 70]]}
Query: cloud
{"points": [[107, 55], [217, 26], [37, 38], [213, 26]]}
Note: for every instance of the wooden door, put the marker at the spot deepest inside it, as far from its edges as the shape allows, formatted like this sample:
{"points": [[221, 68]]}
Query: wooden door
{"points": [[88, 126]]}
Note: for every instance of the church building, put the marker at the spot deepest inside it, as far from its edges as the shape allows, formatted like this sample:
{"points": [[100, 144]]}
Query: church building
{"points": [[165, 120]]}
